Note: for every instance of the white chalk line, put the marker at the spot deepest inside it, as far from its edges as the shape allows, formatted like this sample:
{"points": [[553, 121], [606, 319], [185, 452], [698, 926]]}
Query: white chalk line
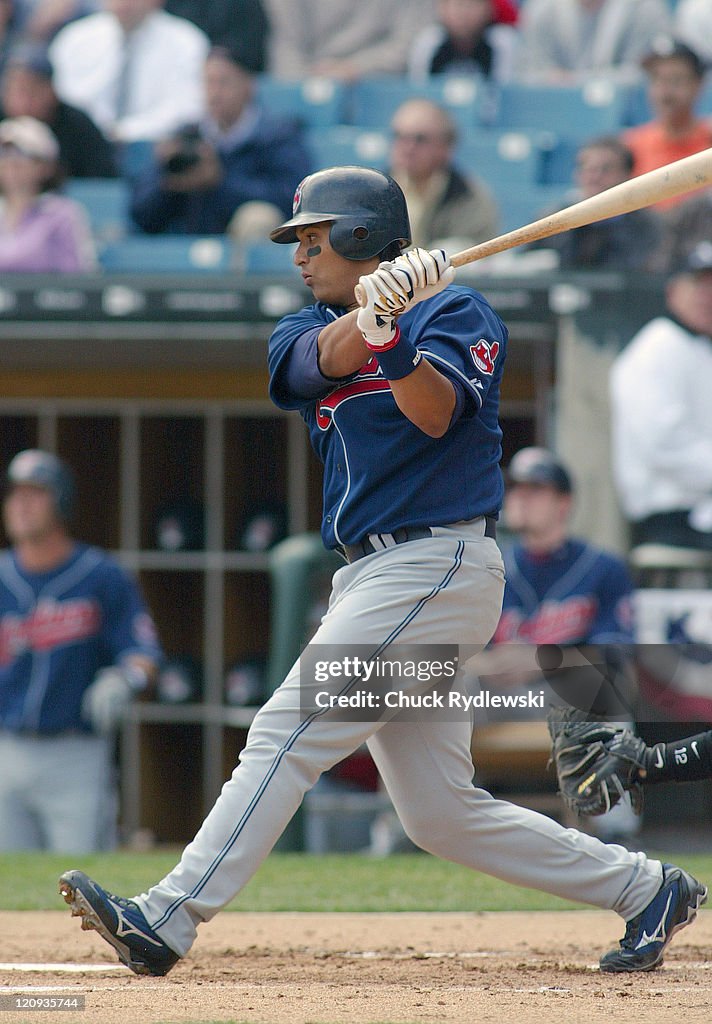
{"points": [[62, 968], [369, 954], [554, 991]]}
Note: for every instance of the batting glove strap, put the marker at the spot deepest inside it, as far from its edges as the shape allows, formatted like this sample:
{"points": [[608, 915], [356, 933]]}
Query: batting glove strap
{"points": [[377, 347], [378, 327], [400, 360]]}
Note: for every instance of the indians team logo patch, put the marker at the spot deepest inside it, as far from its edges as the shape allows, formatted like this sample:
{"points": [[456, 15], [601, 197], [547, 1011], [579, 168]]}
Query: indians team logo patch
{"points": [[368, 381], [484, 353], [297, 201]]}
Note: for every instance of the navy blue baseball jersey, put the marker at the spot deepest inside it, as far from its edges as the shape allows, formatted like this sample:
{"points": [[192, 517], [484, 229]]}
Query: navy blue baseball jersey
{"points": [[577, 594], [57, 629], [416, 480]]}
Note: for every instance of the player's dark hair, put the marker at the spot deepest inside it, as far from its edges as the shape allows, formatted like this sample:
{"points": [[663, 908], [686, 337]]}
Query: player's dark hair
{"points": [[391, 252]]}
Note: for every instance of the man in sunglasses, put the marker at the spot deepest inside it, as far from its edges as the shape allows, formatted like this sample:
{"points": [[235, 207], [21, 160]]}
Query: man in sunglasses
{"points": [[446, 208]]}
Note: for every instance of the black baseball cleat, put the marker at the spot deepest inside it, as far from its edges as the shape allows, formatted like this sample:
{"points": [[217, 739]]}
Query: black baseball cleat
{"points": [[120, 922], [646, 936]]}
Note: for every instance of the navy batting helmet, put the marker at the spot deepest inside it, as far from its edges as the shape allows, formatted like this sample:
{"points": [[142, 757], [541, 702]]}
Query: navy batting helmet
{"points": [[367, 210], [44, 470], [539, 466]]}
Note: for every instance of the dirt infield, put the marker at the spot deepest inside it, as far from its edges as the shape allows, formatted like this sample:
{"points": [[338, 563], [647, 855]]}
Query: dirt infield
{"points": [[511, 968]]}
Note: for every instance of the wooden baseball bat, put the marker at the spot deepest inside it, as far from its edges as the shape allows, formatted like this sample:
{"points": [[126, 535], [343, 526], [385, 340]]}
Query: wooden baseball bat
{"points": [[673, 179]]}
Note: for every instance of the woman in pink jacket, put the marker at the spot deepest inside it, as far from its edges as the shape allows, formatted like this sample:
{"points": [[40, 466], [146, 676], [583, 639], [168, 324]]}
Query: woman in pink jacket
{"points": [[40, 230]]}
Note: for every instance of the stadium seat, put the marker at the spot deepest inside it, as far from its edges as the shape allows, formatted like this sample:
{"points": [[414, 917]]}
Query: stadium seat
{"points": [[521, 206], [348, 144], [134, 157], [505, 160], [313, 101], [373, 101], [265, 258], [106, 201], [598, 107], [168, 254], [704, 106]]}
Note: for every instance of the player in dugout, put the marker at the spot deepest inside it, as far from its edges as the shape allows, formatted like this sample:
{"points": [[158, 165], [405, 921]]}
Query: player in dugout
{"points": [[400, 397]]}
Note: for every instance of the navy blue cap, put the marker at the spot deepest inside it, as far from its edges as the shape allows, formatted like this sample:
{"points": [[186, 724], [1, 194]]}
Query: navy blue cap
{"points": [[539, 466]]}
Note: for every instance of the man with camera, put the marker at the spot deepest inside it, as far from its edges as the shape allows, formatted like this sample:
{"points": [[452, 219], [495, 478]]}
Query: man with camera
{"points": [[233, 171]]}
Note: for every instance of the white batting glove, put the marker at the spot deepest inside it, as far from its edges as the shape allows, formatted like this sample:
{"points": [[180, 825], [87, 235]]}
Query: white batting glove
{"points": [[106, 699], [373, 320], [416, 275]]}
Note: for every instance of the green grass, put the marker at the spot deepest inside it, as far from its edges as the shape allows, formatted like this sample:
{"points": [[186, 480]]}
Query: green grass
{"points": [[299, 882]]}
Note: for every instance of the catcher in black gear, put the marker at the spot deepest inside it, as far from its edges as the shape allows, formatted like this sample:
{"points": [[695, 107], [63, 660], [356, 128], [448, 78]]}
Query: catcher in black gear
{"points": [[596, 763], [593, 772]]}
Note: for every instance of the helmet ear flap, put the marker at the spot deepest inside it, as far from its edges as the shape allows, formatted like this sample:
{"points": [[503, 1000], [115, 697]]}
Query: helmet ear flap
{"points": [[353, 241]]}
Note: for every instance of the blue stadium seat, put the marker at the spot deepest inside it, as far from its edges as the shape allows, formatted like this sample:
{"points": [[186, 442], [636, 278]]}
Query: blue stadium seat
{"points": [[266, 258], [313, 101], [134, 157], [523, 206], [506, 159], [106, 201], [560, 162], [348, 144], [168, 254], [373, 101], [704, 106], [598, 107]]}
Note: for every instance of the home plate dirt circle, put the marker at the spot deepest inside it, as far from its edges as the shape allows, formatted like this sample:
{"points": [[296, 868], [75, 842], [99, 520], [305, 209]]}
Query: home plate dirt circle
{"points": [[454, 968]]}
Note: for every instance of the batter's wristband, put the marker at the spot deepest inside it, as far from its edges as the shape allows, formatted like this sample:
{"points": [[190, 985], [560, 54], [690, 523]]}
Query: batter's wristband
{"points": [[400, 361]]}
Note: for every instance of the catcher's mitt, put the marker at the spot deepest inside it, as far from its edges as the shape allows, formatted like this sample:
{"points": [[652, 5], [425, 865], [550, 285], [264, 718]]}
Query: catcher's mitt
{"points": [[596, 762]]}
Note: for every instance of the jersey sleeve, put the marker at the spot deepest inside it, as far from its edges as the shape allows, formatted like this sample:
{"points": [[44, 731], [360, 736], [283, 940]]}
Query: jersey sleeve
{"points": [[459, 333], [128, 625], [295, 377]]}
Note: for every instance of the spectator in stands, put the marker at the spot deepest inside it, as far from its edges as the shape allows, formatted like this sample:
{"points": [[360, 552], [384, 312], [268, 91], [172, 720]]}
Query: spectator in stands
{"points": [[26, 90], [568, 41], [693, 25], [626, 242], [445, 207], [39, 230], [135, 69], [466, 39], [236, 170], [342, 39], [40, 20], [662, 415], [241, 25], [8, 29], [675, 78], [561, 591], [684, 227]]}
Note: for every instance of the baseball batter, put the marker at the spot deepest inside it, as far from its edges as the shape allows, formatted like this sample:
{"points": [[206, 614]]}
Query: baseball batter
{"points": [[400, 397]]}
